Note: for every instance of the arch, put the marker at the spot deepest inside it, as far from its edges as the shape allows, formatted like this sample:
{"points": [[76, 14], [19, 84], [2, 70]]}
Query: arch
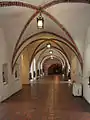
{"points": [[36, 34], [60, 49], [54, 2], [38, 9], [53, 19], [18, 4], [48, 56], [71, 46], [42, 49], [45, 32]]}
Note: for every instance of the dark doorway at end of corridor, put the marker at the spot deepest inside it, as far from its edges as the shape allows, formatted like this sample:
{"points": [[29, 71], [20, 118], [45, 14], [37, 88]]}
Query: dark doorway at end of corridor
{"points": [[55, 69]]}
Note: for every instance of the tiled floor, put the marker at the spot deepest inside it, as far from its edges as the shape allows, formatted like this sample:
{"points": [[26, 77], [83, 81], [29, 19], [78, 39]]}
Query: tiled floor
{"points": [[46, 99]]}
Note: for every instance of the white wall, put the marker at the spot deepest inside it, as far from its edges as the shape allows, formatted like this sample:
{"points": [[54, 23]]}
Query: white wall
{"points": [[76, 72], [86, 71], [25, 67], [12, 86]]}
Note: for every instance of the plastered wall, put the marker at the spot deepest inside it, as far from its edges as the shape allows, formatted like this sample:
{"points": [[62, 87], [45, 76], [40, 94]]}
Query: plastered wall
{"points": [[6, 90], [86, 70], [76, 70]]}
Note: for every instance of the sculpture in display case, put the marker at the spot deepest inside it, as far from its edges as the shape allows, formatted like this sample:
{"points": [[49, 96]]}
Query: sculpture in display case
{"points": [[5, 73], [16, 71]]}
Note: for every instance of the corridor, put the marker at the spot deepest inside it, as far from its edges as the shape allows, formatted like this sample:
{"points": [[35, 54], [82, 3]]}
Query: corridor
{"points": [[45, 99]]}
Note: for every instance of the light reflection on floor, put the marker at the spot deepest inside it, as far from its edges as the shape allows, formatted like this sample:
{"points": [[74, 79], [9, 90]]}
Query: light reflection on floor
{"points": [[45, 99]]}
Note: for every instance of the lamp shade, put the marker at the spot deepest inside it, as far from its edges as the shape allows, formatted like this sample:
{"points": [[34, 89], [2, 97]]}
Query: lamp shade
{"points": [[48, 45], [40, 22], [50, 51]]}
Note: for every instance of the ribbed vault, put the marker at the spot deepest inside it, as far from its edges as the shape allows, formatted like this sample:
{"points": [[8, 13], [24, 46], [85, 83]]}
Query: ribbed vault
{"points": [[54, 29]]}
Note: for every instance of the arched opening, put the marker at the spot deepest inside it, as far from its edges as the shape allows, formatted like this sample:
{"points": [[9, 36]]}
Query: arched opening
{"points": [[61, 49], [55, 69], [25, 44]]}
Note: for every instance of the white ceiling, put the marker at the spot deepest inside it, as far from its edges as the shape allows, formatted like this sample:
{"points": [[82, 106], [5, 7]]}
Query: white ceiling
{"points": [[74, 17], [36, 2]]}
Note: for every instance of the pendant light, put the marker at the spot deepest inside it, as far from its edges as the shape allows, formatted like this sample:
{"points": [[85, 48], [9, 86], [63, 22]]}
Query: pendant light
{"points": [[40, 21]]}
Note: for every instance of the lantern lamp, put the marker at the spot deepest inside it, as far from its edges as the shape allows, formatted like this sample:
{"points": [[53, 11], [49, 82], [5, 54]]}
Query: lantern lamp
{"points": [[40, 22]]}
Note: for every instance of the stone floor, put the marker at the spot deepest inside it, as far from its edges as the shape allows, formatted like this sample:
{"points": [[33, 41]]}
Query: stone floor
{"points": [[45, 99]]}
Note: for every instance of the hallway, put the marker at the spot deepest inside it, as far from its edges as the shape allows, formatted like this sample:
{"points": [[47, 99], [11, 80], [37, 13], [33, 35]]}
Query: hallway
{"points": [[46, 99]]}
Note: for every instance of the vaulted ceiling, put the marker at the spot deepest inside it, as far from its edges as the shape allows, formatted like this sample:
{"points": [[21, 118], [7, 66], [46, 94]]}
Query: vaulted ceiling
{"points": [[65, 21]]}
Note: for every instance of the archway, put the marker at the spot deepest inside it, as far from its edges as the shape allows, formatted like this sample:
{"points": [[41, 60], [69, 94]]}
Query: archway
{"points": [[55, 69]]}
